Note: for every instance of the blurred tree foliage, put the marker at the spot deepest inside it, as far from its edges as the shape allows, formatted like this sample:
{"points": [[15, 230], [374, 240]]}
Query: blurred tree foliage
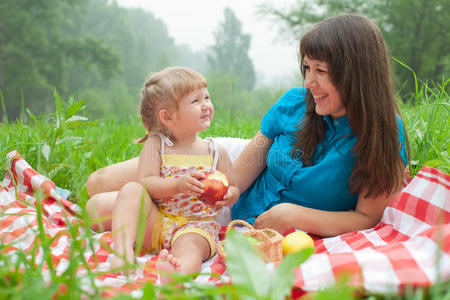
{"points": [[36, 53], [229, 54], [92, 48], [417, 31]]}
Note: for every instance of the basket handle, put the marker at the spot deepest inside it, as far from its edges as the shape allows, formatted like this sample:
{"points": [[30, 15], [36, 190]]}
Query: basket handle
{"points": [[259, 234], [233, 223], [272, 233]]}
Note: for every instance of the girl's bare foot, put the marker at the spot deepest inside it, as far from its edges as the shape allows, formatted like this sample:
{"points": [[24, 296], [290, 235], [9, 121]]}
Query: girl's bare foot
{"points": [[167, 264], [118, 264]]}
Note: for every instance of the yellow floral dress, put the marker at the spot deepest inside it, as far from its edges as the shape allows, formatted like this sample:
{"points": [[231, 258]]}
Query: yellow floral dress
{"points": [[183, 213]]}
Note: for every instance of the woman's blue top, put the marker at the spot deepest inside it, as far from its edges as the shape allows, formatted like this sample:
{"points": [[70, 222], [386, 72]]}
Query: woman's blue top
{"points": [[324, 185]]}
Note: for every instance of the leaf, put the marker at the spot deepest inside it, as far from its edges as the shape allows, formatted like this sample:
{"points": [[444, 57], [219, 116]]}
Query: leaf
{"points": [[74, 108], [59, 128], [38, 123], [77, 124], [340, 290], [438, 164], [59, 102], [142, 218], [149, 291], [74, 139], [76, 118], [283, 278], [46, 151], [244, 265]]}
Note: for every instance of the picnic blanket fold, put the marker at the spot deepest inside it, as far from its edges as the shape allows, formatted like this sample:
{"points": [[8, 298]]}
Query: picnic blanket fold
{"points": [[409, 247]]}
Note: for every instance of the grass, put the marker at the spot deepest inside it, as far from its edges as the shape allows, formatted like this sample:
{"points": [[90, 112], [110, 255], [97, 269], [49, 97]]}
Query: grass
{"points": [[66, 146], [428, 125]]}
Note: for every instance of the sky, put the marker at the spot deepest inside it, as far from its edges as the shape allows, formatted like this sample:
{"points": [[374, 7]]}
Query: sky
{"points": [[193, 22]]}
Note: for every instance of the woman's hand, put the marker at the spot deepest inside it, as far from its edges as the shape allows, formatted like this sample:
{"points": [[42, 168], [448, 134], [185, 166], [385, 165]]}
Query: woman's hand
{"points": [[230, 198], [284, 216], [276, 218], [189, 184]]}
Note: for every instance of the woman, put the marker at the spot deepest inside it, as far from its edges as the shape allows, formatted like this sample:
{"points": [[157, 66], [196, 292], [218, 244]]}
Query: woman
{"points": [[330, 156], [333, 152]]}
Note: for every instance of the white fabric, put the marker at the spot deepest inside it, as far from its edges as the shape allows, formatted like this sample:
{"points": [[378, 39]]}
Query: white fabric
{"points": [[234, 147]]}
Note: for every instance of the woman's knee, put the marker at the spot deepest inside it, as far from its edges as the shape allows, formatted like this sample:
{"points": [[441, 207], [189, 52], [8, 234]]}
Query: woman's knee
{"points": [[95, 182]]}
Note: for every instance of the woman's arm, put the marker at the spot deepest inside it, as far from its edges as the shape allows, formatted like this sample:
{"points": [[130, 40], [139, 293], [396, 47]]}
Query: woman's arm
{"points": [[158, 187], [225, 166], [252, 161], [112, 178], [283, 216]]}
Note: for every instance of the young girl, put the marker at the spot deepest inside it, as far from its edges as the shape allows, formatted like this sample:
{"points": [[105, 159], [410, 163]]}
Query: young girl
{"points": [[175, 107]]}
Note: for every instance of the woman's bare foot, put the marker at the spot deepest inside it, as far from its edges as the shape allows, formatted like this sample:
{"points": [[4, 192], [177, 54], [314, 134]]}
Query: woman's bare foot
{"points": [[167, 264]]}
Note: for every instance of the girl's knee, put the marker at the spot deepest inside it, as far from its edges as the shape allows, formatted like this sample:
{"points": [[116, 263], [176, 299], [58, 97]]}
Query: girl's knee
{"points": [[132, 193], [99, 212], [93, 205], [132, 187]]}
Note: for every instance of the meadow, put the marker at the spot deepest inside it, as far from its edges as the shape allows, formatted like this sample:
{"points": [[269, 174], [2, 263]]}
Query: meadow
{"points": [[67, 145]]}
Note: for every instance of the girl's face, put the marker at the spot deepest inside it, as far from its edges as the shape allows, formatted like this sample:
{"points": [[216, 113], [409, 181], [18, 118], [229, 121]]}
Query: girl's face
{"points": [[326, 97], [195, 111]]}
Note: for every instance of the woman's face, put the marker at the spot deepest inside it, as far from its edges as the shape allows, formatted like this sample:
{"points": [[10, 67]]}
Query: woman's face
{"points": [[326, 97]]}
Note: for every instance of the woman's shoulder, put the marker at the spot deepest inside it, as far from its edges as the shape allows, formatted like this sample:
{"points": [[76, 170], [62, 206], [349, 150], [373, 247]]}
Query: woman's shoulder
{"points": [[285, 114], [292, 101], [295, 95]]}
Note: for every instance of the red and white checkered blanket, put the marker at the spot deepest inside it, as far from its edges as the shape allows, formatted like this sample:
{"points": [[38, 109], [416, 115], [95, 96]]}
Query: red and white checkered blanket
{"points": [[409, 247]]}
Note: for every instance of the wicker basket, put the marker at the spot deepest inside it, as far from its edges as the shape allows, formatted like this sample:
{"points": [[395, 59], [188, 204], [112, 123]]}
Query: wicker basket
{"points": [[269, 241]]}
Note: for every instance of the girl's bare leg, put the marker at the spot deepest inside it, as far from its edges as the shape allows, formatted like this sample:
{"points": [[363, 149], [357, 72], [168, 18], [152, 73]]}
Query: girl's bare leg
{"points": [[188, 253], [103, 186], [126, 215], [100, 209]]}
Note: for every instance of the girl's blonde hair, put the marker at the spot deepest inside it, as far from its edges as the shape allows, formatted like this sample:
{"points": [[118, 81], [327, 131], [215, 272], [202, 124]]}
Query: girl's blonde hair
{"points": [[162, 91]]}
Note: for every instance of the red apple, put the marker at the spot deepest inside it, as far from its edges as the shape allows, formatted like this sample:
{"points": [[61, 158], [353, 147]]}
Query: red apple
{"points": [[215, 187]]}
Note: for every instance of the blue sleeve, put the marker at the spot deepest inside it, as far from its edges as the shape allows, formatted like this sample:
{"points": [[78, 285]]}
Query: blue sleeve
{"points": [[289, 107], [269, 125], [402, 140]]}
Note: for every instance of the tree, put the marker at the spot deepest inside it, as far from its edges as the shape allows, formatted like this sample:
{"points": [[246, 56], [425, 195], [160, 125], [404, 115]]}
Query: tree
{"points": [[417, 32], [419, 37], [230, 51], [36, 52]]}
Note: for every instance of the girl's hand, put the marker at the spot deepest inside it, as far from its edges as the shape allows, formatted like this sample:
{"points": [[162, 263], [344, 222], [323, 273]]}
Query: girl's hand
{"points": [[189, 184], [230, 198]]}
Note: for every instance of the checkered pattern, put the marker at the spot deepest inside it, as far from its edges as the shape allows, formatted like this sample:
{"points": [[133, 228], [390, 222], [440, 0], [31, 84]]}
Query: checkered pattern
{"points": [[410, 246]]}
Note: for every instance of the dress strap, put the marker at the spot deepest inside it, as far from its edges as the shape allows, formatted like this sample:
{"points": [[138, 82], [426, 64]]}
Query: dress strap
{"points": [[164, 140], [213, 150]]}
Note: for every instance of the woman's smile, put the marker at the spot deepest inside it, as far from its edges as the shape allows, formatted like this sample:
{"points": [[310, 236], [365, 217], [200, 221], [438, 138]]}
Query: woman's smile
{"points": [[320, 98]]}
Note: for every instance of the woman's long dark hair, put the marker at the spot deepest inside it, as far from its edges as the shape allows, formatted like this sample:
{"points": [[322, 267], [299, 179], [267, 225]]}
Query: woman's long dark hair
{"points": [[358, 66]]}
